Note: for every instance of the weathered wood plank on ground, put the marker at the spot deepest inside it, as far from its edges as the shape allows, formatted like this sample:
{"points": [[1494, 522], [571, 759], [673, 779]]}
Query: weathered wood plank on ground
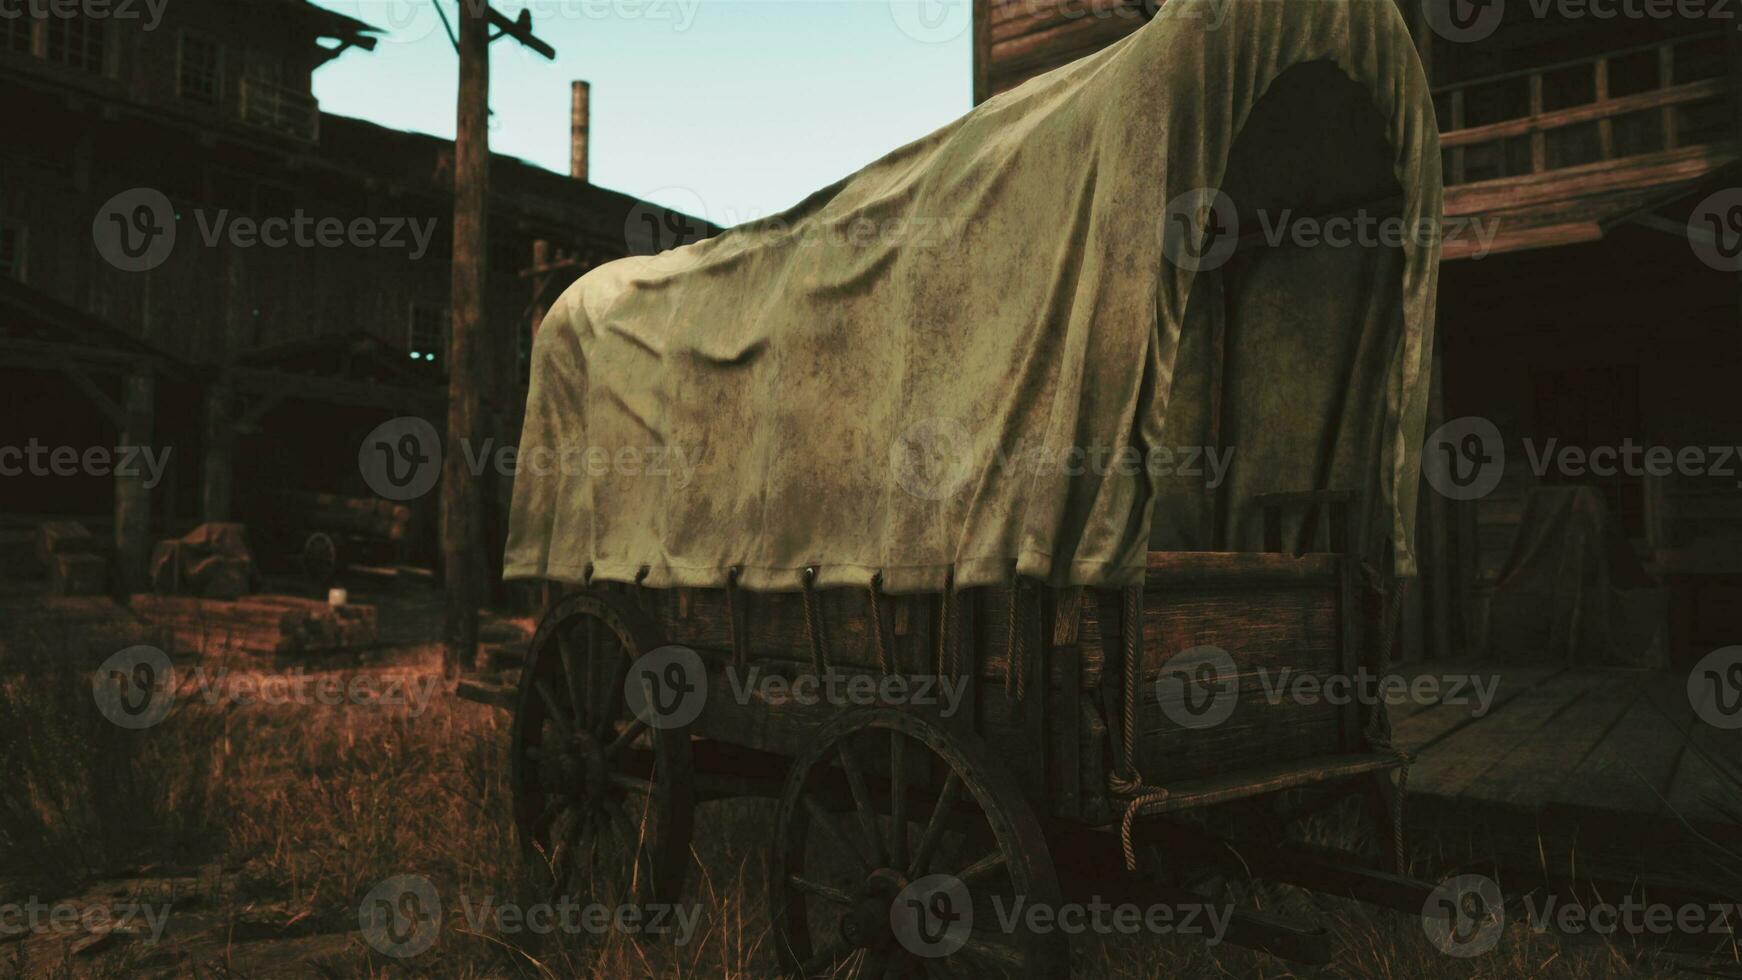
{"points": [[1449, 767], [1527, 775], [1429, 725], [1630, 769]]}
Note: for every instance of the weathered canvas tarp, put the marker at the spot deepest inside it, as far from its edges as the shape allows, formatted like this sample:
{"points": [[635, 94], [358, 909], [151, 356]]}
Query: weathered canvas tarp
{"points": [[962, 359]]}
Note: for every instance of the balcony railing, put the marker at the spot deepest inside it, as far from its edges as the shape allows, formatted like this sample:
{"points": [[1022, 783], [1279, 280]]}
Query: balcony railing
{"points": [[1635, 102], [282, 110]]}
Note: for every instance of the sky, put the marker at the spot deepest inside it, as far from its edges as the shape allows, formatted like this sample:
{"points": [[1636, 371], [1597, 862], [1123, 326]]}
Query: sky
{"points": [[729, 110]]}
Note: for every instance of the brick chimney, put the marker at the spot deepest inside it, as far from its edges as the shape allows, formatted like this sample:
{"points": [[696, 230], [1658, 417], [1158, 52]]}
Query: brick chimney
{"points": [[578, 131]]}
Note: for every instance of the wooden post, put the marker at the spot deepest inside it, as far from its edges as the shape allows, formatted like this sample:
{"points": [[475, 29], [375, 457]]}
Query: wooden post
{"points": [[462, 537], [132, 494], [217, 469]]}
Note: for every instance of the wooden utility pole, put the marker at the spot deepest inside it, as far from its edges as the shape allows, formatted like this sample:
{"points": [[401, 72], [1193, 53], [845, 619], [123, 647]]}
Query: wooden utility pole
{"points": [[462, 529], [462, 524]]}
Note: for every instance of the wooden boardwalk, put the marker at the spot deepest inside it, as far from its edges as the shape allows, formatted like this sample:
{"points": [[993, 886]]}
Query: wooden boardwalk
{"points": [[1610, 765]]}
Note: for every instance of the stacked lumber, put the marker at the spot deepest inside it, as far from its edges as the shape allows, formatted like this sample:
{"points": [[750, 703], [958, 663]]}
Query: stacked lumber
{"points": [[261, 625], [377, 519]]}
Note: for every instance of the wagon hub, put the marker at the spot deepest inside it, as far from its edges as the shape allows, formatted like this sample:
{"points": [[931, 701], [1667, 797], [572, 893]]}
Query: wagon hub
{"points": [[585, 768], [866, 924]]}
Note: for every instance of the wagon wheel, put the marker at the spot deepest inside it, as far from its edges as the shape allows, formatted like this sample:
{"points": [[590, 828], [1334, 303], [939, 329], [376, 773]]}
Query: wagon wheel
{"points": [[604, 801], [320, 558], [906, 880]]}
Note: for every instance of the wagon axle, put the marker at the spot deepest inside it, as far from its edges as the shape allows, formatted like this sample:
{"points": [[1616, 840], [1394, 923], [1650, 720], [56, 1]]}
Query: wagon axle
{"points": [[867, 924]]}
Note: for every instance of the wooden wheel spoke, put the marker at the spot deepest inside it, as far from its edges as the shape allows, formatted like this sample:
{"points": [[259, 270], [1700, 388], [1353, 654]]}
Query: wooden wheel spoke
{"points": [[826, 820], [987, 865], [820, 889], [626, 737], [861, 798], [898, 799], [558, 716], [574, 663], [616, 663], [934, 827]]}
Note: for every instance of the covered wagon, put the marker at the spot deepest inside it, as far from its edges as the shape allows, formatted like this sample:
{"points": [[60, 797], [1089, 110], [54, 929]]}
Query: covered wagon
{"points": [[978, 507]]}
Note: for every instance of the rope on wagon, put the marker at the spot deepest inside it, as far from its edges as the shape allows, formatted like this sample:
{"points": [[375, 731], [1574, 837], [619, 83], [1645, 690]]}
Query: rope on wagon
{"points": [[879, 644], [814, 625], [1127, 780]]}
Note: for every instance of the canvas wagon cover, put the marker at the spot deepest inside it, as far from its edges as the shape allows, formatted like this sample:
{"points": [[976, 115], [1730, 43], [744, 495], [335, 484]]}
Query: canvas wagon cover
{"points": [[891, 377]]}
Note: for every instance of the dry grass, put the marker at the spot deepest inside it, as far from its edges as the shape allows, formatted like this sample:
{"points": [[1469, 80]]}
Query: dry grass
{"points": [[291, 813]]}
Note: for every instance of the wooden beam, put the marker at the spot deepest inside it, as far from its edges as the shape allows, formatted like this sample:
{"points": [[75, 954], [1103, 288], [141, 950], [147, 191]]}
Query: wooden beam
{"points": [[83, 382]]}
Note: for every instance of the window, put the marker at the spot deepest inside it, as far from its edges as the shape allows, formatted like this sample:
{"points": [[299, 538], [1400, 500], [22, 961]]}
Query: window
{"points": [[199, 71], [429, 330], [78, 43], [12, 250]]}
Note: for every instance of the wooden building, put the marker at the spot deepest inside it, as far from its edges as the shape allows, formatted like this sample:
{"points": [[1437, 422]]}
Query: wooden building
{"points": [[213, 109], [1583, 145]]}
